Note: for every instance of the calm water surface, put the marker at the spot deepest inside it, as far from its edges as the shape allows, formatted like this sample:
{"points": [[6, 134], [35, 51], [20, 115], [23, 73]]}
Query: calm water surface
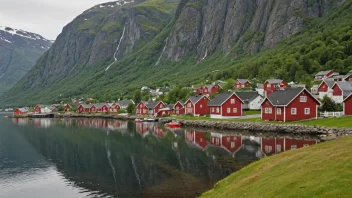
{"points": [[109, 158]]}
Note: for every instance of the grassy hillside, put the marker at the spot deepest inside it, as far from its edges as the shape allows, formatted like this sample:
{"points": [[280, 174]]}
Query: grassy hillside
{"points": [[326, 43], [324, 170]]}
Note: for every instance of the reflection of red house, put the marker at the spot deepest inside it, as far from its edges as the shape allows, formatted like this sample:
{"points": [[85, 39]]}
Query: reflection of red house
{"points": [[208, 89], [197, 105], [158, 132], [142, 128], [231, 144], [271, 146], [272, 85], [20, 111], [179, 108], [242, 83], [196, 138], [292, 104]]}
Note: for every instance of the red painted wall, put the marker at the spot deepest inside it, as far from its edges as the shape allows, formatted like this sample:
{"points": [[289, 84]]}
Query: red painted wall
{"points": [[37, 109], [336, 91], [323, 87], [227, 104], [272, 87], [348, 106], [160, 105], [201, 107], [141, 109], [93, 109], [189, 107], [267, 116], [18, 112], [179, 109], [311, 103]]}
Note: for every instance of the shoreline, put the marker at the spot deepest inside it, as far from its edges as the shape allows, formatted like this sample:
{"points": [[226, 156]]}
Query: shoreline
{"points": [[228, 126]]}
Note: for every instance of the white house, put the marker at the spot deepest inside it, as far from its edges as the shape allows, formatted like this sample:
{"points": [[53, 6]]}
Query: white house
{"points": [[251, 99]]}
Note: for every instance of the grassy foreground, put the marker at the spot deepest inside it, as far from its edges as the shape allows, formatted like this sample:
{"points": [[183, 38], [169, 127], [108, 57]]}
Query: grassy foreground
{"points": [[324, 170]]}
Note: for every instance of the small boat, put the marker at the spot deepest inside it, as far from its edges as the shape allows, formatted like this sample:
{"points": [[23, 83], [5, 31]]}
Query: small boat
{"points": [[6, 116], [174, 124], [139, 120]]}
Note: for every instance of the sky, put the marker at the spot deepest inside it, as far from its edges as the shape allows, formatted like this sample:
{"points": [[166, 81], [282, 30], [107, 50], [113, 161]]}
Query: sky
{"points": [[44, 17]]}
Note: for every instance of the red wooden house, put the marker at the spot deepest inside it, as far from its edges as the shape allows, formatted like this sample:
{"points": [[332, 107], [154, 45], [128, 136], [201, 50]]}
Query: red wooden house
{"points": [[84, 108], [114, 108], [340, 90], [101, 108], [149, 107], [230, 143], [67, 107], [208, 89], [272, 85], [347, 105], [166, 111], [179, 108], [38, 108], [20, 112], [292, 104], [325, 88], [226, 105], [242, 83], [197, 139], [197, 105], [323, 75]]}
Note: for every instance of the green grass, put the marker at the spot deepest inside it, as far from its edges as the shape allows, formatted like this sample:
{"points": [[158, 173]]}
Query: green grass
{"points": [[252, 112], [324, 170]]}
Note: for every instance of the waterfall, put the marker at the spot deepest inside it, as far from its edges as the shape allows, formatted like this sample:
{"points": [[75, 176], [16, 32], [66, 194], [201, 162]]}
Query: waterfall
{"points": [[162, 53], [206, 54], [135, 172], [117, 49]]}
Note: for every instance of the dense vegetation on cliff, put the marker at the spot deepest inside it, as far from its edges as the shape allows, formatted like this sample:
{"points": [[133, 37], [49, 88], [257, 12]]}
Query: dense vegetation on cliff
{"points": [[160, 43]]}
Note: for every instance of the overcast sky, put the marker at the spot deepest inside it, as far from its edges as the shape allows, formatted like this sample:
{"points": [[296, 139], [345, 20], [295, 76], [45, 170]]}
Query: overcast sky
{"points": [[45, 17]]}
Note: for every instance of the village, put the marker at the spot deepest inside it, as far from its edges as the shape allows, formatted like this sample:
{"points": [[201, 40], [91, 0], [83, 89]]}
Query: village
{"points": [[273, 100]]}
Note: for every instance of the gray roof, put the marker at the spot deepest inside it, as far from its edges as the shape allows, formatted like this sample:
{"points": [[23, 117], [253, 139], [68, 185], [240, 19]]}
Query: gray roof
{"points": [[209, 86], [86, 106], [23, 109], [274, 81], [330, 83], [100, 105], [345, 86], [247, 95], [322, 73], [283, 97], [124, 102], [347, 75], [151, 104], [195, 99], [218, 100], [242, 81]]}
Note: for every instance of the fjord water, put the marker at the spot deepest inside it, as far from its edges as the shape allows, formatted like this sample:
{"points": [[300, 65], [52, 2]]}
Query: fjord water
{"points": [[109, 158]]}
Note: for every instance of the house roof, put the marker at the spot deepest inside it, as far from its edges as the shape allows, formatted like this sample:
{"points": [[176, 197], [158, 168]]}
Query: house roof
{"points": [[87, 106], [23, 109], [195, 99], [322, 73], [210, 86], [221, 98], [247, 95], [330, 83], [347, 75], [124, 102], [346, 88], [100, 105], [242, 81], [274, 81], [284, 97], [151, 104], [42, 106]]}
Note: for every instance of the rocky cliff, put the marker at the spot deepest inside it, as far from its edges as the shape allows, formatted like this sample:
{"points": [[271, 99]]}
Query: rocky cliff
{"points": [[116, 47], [19, 51]]}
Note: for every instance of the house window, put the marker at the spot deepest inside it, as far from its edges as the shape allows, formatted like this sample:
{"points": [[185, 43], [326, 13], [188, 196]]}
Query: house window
{"points": [[293, 147], [303, 99], [278, 148], [293, 111], [161, 106], [217, 110], [217, 141], [189, 105], [201, 106], [305, 145], [232, 101], [268, 85], [234, 110], [233, 145], [278, 111], [228, 139], [213, 109], [268, 110], [268, 149], [228, 110], [306, 111]]}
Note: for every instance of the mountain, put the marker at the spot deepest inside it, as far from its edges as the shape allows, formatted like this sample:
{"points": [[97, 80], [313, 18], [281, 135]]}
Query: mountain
{"points": [[114, 48], [19, 51]]}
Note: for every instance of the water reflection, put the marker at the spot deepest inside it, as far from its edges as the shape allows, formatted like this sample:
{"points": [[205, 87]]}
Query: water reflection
{"points": [[127, 159]]}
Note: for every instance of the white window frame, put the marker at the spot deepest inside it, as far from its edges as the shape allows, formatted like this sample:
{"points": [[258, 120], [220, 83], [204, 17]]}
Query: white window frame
{"points": [[293, 147], [278, 148], [201, 106], [305, 145], [228, 110], [278, 111], [234, 110], [232, 101], [303, 99], [233, 145], [293, 111], [212, 109], [268, 110], [217, 110], [305, 111]]}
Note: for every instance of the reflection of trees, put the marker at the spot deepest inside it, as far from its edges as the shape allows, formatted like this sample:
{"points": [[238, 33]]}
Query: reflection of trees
{"points": [[129, 165]]}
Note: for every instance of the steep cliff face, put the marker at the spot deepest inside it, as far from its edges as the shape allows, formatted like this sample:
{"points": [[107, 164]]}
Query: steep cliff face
{"points": [[101, 36], [19, 50], [238, 26]]}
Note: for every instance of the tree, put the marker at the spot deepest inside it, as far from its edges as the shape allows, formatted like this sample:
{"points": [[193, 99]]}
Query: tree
{"points": [[131, 109], [137, 96], [328, 104]]}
